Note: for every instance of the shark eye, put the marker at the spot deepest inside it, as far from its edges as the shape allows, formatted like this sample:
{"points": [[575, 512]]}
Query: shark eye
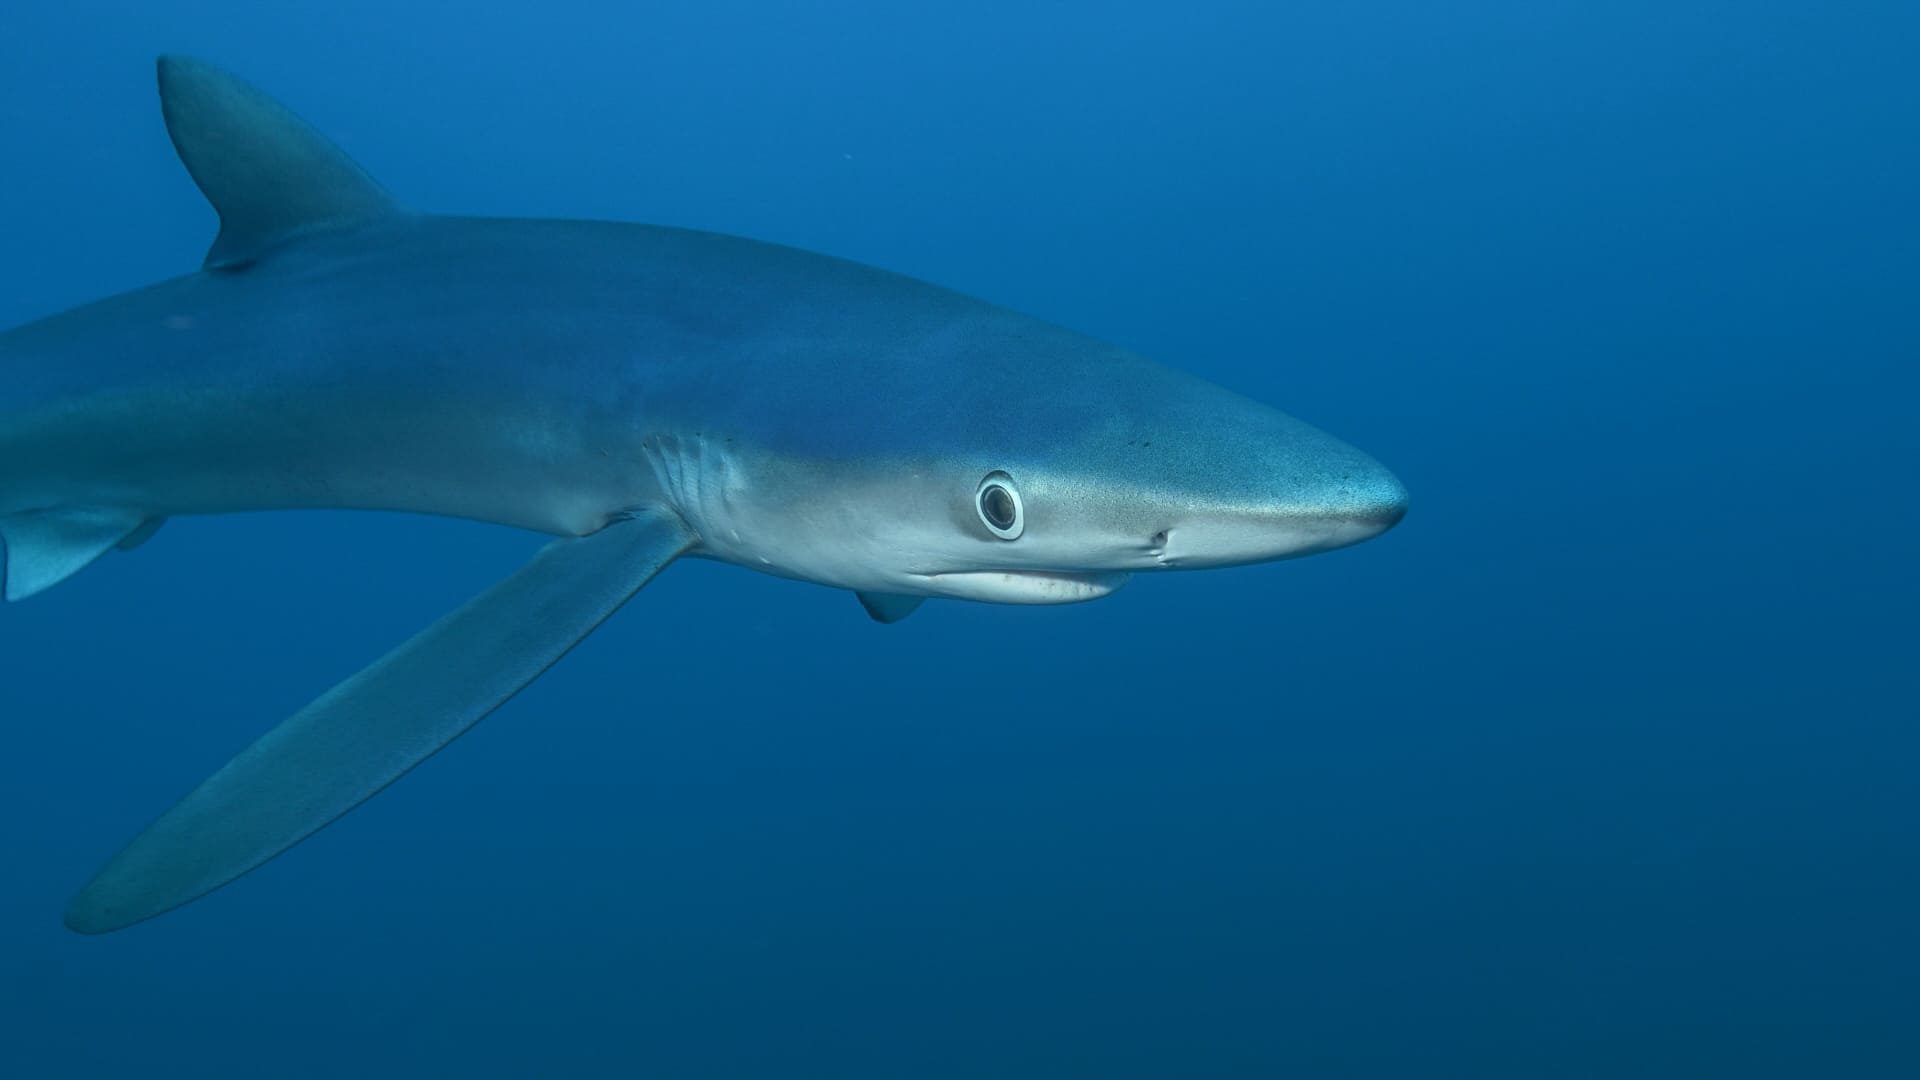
{"points": [[999, 506]]}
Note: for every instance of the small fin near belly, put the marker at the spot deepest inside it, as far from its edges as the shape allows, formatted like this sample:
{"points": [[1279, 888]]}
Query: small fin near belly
{"points": [[888, 607], [140, 535], [371, 729], [46, 547]]}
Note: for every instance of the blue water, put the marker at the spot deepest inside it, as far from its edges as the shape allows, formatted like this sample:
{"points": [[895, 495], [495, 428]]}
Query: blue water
{"points": [[1602, 764]]}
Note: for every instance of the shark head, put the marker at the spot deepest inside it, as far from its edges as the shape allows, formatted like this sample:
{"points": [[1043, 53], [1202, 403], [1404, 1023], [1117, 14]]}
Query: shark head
{"points": [[1050, 472]]}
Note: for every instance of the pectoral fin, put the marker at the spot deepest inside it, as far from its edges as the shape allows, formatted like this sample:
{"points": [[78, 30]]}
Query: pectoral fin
{"points": [[370, 730]]}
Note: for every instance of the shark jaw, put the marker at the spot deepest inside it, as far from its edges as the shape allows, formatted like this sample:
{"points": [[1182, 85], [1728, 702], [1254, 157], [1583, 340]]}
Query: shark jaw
{"points": [[1025, 586]]}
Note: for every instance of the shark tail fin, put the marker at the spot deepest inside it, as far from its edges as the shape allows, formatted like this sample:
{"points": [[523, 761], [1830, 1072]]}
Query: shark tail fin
{"points": [[269, 175], [43, 548]]}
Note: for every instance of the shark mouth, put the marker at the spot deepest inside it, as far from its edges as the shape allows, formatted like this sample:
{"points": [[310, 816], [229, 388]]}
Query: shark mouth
{"points": [[1026, 586]]}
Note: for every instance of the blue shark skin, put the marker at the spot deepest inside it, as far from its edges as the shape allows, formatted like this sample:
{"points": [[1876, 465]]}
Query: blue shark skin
{"points": [[639, 393]]}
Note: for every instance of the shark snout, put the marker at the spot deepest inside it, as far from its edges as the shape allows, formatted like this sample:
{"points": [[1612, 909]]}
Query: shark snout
{"points": [[1376, 503], [1358, 500]]}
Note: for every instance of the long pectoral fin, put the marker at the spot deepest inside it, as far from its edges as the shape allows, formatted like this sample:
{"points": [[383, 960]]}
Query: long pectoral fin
{"points": [[371, 729]]}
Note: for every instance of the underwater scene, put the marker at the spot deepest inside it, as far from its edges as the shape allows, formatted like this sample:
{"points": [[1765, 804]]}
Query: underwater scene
{"points": [[991, 540]]}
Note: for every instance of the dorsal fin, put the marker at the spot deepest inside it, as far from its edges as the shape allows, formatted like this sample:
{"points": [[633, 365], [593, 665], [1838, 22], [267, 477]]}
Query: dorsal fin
{"points": [[268, 174]]}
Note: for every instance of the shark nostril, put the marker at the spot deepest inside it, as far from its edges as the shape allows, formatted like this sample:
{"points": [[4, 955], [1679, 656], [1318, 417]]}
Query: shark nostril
{"points": [[1159, 540]]}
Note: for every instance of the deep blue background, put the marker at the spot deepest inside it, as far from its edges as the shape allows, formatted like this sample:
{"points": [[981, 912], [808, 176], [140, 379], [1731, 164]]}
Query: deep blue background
{"points": [[1602, 764]]}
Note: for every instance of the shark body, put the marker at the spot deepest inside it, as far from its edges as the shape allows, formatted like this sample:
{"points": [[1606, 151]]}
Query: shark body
{"points": [[639, 393]]}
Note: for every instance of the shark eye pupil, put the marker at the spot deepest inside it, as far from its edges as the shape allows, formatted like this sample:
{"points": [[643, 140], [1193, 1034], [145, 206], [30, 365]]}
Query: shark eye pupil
{"points": [[999, 505]]}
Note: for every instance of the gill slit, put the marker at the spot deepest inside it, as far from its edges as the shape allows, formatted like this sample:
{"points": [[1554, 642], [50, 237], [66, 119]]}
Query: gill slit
{"points": [[698, 480]]}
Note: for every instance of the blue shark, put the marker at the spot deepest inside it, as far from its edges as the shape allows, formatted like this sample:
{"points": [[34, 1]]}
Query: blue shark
{"points": [[639, 393]]}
